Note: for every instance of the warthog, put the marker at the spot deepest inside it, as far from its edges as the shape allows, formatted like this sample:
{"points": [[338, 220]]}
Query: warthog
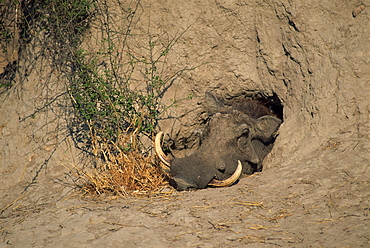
{"points": [[236, 138]]}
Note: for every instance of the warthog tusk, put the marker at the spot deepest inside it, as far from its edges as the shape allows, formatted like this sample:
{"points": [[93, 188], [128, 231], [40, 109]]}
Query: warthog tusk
{"points": [[229, 181], [158, 150]]}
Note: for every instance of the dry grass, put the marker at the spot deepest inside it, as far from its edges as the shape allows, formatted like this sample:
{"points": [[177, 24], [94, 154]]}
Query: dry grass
{"points": [[122, 173]]}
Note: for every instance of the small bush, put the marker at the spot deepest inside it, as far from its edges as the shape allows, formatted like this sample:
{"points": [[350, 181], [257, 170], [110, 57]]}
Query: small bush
{"points": [[115, 87]]}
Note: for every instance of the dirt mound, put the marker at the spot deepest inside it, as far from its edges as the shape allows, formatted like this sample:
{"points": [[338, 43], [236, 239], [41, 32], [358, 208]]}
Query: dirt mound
{"points": [[314, 189]]}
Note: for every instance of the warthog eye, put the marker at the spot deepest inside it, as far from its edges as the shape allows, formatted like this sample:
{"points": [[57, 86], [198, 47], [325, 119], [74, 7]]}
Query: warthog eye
{"points": [[245, 133], [243, 140]]}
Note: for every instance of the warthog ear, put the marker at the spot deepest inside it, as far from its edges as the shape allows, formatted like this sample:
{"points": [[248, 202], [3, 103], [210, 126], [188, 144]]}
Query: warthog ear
{"points": [[267, 125], [214, 105]]}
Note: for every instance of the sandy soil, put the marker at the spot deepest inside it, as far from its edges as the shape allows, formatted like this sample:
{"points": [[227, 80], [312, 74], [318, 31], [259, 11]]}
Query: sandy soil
{"points": [[326, 205]]}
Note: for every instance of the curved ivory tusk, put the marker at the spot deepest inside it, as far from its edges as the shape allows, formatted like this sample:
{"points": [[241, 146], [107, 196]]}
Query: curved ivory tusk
{"points": [[229, 181], [158, 150]]}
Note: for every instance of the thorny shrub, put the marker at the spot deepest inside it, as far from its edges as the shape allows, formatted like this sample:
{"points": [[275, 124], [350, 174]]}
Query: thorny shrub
{"points": [[115, 88]]}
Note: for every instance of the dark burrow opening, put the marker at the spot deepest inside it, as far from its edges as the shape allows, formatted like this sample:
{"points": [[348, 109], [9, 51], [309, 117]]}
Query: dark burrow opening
{"points": [[272, 101]]}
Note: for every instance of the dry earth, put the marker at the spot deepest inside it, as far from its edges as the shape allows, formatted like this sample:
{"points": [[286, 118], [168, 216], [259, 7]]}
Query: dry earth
{"points": [[314, 190]]}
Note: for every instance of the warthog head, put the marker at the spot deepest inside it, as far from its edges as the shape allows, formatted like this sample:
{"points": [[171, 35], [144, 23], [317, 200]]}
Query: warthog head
{"points": [[236, 139]]}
